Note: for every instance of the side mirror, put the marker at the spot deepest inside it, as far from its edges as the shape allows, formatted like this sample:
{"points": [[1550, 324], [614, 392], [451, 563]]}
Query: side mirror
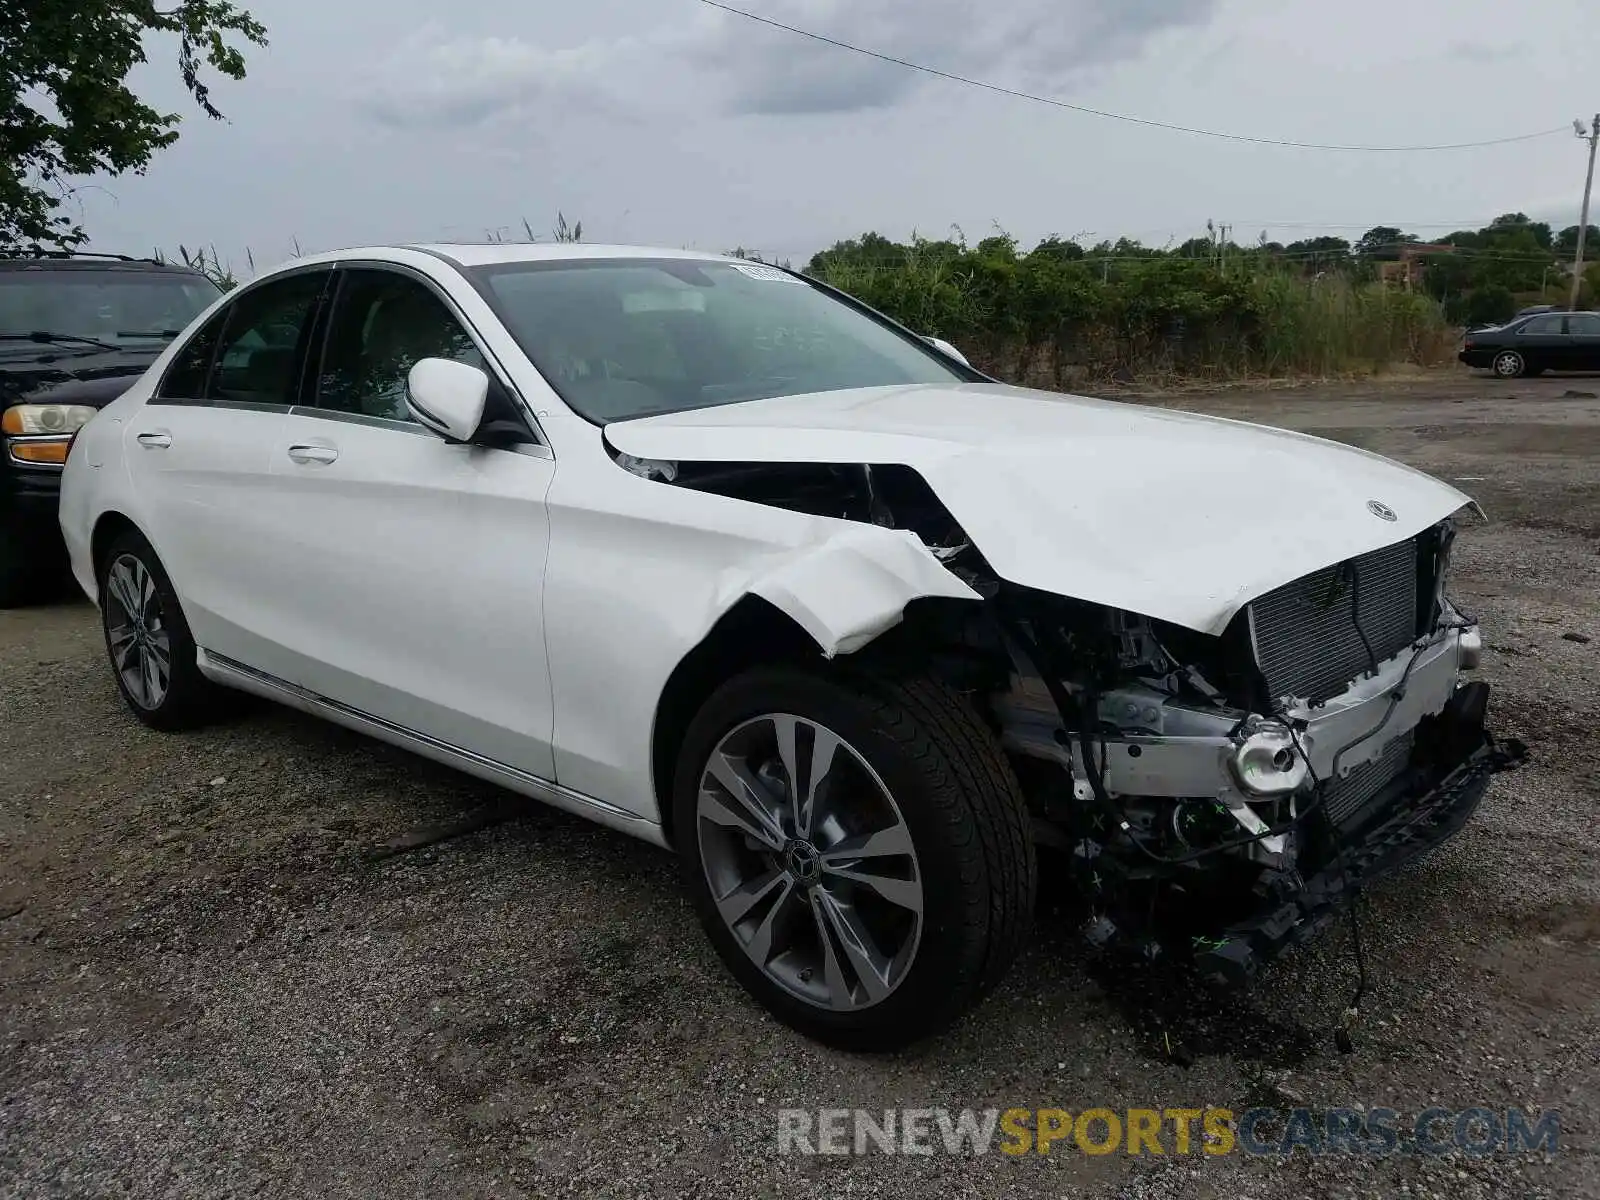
{"points": [[945, 348], [447, 397]]}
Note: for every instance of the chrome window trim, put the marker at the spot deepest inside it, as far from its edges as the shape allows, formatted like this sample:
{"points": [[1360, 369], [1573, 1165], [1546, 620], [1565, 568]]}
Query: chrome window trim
{"points": [[414, 428], [230, 300]]}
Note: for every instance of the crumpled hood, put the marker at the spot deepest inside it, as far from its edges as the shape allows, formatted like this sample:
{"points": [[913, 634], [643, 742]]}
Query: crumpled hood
{"points": [[1178, 516]]}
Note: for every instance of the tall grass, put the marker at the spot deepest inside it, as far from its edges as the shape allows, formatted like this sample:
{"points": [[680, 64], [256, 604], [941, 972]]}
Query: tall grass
{"points": [[1053, 314]]}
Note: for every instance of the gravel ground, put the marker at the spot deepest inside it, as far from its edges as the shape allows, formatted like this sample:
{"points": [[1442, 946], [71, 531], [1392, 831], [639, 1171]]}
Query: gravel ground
{"points": [[210, 984]]}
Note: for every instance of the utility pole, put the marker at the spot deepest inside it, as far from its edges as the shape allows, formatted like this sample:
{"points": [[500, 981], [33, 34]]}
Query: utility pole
{"points": [[1583, 218]]}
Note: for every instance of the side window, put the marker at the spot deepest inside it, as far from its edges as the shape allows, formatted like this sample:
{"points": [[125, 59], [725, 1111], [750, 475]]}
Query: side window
{"points": [[1584, 324], [383, 322], [259, 354], [189, 372], [1543, 326]]}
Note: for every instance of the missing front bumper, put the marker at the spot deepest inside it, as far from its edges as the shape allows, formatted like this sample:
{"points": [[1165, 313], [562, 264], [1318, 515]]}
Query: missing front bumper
{"points": [[1458, 757]]}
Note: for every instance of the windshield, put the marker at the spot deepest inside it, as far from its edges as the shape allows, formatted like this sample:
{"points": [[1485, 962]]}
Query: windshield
{"points": [[118, 307], [620, 338]]}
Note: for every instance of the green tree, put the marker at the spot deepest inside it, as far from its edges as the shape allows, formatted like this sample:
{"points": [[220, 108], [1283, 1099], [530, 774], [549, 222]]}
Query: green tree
{"points": [[65, 107], [1054, 249], [1488, 306], [1567, 240], [1538, 232], [1383, 242], [1319, 253]]}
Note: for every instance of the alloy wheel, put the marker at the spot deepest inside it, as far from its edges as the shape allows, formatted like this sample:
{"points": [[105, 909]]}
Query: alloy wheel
{"points": [[136, 632], [810, 862], [1508, 364]]}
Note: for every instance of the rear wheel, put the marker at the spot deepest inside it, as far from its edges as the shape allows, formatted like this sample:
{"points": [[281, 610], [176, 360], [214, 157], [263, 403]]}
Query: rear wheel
{"points": [[1508, 364], [147, 638], [858, 850]]}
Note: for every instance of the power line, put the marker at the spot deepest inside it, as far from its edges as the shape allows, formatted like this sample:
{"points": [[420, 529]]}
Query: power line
{"points": [[1461, 226], [1113, 116], [1155, 254]]}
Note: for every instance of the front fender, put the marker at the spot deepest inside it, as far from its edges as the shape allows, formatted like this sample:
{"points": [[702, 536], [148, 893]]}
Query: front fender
{"points": [[852, 585], [642, 573]]}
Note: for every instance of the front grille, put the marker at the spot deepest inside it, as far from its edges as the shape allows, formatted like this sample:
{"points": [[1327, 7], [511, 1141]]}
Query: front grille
{"points": [[1348, 796], [1307, 642]]}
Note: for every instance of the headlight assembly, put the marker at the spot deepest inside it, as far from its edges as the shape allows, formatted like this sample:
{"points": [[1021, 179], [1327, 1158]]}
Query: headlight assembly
{"points": [[40, 435], [45, 420]]}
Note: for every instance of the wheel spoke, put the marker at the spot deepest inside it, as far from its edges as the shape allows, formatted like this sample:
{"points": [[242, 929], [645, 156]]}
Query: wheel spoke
{"points": [[759, 947], [120, 641], [867, 962], [786, 728], [824, 746], [120, 583], [161, 651], [904, 893], [748, 809], [885, 843], [160, 669], [148, 606], [148, 673], [832, 971], [736, 904], [134, 677]]}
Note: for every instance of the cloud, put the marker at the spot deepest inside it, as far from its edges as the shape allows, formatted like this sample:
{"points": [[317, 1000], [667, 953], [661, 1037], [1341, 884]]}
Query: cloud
{"points": [[1484, 52], [717, 62], [1028, 44], [432, 81]]}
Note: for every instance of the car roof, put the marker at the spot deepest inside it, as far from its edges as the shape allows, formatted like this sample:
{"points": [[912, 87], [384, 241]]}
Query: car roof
{"points": [[487, 254], [49, 262]]}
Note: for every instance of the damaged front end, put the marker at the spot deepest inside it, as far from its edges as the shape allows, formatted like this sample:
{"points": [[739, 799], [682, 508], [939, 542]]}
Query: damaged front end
{"points": [[1220, 796], [1226, 796]]}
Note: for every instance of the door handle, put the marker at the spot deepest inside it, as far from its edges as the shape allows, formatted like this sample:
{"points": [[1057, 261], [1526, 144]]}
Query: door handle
{"points": [[320, 455], [158, 441]]}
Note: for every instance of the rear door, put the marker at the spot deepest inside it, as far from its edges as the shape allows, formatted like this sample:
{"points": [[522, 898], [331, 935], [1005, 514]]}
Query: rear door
{"points": [[407, 574], [1583, 336], [199, 450]]}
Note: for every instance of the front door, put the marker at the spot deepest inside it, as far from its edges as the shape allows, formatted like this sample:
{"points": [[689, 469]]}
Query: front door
{"points": [[409, 572]]}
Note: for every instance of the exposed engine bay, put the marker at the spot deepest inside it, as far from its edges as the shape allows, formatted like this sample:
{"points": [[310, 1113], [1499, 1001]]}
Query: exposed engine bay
{"points": [[1220, 797]]}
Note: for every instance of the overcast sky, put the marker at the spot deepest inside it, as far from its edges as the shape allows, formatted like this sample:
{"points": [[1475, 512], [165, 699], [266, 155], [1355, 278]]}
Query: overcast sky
{"points": [[665, 122]]}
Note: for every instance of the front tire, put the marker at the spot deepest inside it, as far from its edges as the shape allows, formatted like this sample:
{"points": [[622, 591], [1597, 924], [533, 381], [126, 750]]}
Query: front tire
{"points": [[148, 641], [1508, 364], [858, 850]]}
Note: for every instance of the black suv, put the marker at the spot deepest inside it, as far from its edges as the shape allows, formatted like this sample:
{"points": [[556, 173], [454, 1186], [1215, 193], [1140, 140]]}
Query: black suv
{"points": [[75, 332]]}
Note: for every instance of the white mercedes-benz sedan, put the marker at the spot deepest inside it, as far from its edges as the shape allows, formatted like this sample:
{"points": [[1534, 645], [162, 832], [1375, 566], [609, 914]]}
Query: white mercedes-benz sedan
{"points": [[707, 552]]}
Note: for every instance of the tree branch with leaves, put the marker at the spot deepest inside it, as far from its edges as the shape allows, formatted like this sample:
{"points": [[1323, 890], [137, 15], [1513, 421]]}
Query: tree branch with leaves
{"points": [[66, 111]]}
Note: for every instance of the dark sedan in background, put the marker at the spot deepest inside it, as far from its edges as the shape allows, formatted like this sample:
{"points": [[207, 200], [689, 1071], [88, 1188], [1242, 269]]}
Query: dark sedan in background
{"points": [[1549, 341], [75, 332]]}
